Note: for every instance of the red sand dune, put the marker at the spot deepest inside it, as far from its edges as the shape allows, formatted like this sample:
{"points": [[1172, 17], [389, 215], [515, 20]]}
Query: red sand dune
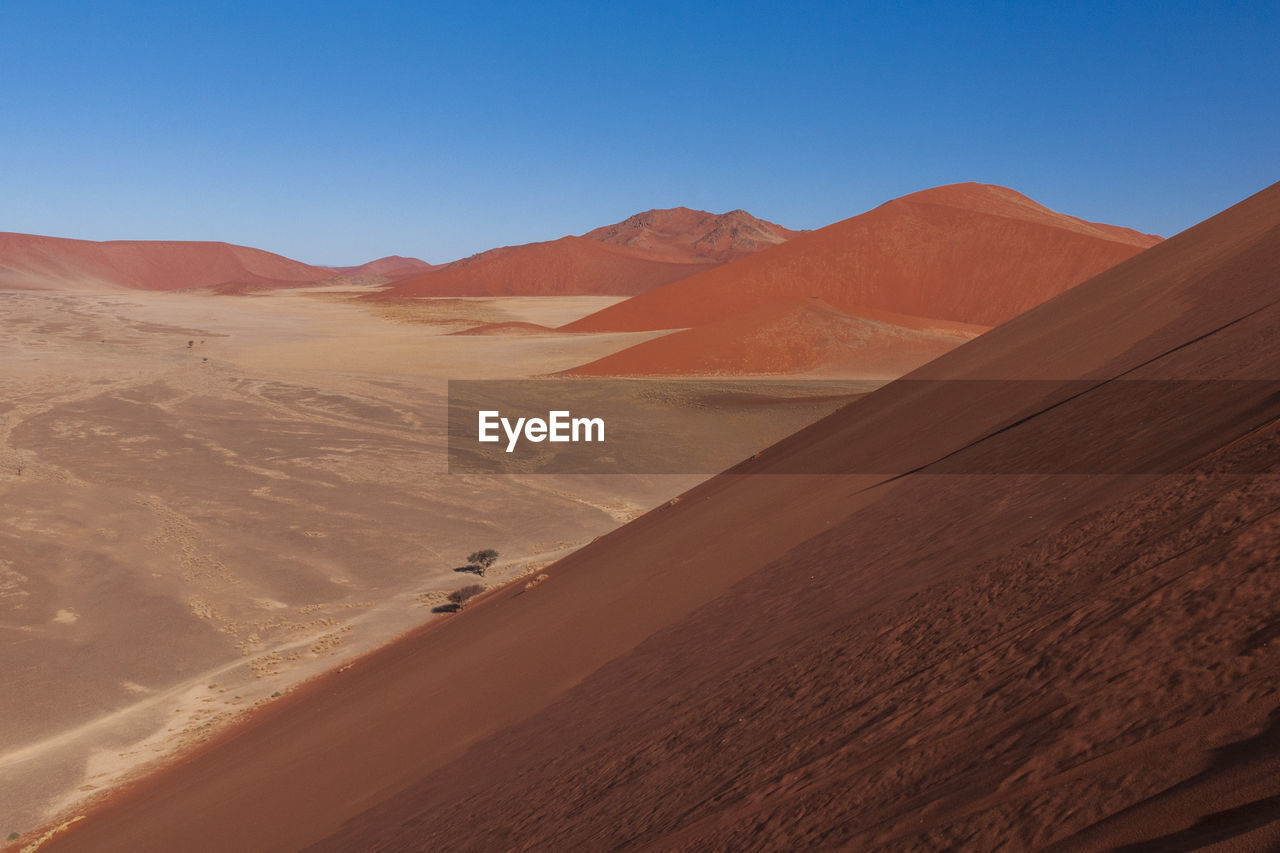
{"points": [[570, 266], [796, 336], [646, 251], [28, 261], [851, 661], [683, 233], [972, 253], [392, 266]]}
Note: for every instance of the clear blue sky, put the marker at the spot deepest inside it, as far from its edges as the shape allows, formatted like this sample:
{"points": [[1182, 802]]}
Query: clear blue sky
{"points": [[338, 132]]}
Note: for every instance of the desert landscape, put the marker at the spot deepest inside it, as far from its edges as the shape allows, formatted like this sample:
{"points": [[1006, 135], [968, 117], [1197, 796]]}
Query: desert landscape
{"points": [[1041, 677], [202, 464], [663, 427], [255, 468], [247, 456], [201, 493], [198, 511]]}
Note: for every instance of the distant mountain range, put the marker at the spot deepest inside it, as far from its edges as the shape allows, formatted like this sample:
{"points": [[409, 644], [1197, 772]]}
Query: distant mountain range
{"points": [[637, 254], [876, 294]]}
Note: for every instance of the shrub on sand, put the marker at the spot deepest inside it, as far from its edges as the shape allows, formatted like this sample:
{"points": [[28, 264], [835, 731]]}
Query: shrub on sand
{"points": [[460, 597]]}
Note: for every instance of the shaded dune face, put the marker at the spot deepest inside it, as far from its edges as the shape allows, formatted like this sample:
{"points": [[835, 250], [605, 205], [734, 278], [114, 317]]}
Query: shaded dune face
{"points": [[838, 660], [645, 251], [970, 253], [33, 262]]}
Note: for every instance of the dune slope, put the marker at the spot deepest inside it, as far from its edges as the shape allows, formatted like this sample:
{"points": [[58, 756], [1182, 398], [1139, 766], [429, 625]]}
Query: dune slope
{"points": [[31, 262], [831, 659]]}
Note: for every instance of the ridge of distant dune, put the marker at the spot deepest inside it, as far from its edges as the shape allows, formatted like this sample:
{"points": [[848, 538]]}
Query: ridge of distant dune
{"points": [[638, 254], [391, 266], [570, 266], [686, 233], [29, 261], [509, 327], [972, 253]]}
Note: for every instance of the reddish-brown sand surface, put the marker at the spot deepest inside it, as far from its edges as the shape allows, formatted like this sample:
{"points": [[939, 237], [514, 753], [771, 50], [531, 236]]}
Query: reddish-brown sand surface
{"points": [[797, 336], [646, 251], [28, 261], [972, 253], [841, 660]]}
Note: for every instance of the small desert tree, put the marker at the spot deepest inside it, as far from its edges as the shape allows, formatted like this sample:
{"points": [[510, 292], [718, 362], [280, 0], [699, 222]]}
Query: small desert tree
{"points": [[483, 560], [460, 597]]}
